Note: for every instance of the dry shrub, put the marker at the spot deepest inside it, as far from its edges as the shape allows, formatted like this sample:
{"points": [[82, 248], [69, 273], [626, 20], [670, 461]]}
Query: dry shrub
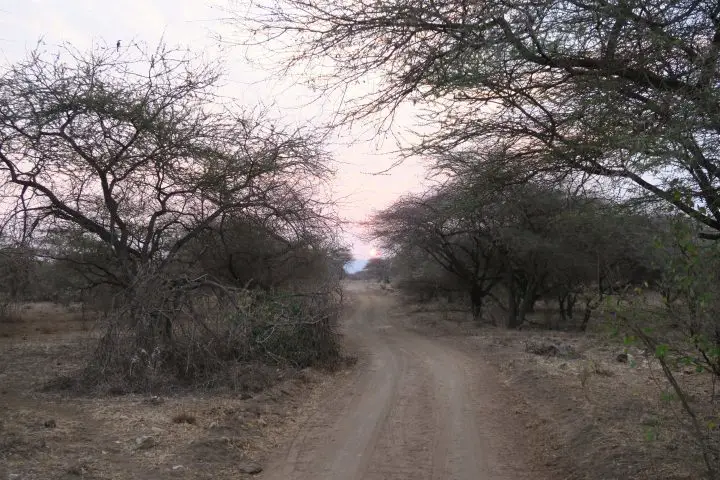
{"points": [[184, 417], [9, 311], [551, 349], [169, 332]]}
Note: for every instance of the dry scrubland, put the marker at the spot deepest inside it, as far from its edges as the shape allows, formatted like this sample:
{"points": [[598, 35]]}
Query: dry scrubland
{"points": [[594, 413], [50, 433], [601, 409], [209, 225]]}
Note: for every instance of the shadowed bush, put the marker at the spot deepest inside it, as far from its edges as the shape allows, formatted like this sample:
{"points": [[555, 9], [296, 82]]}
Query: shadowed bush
{"points": [[198, 333]]}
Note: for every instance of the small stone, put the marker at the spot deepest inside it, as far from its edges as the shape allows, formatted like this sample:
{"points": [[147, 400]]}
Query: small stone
{"points": [[245, 396], [622, 358], [178, 467], [50, 423], [144, 442], [250, 468]]}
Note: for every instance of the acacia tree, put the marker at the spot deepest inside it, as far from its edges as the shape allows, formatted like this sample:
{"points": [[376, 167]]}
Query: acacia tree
{"points": [[625, 89], [136, 151], [455, 228], [523, 238], [246, 252], [416, 273]]}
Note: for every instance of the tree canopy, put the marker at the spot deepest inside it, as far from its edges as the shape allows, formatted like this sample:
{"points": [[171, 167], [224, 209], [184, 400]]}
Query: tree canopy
{"points": [[137, 151], [624, 89]]}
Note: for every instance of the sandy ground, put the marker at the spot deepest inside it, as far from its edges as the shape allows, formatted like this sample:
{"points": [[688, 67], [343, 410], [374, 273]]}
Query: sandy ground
{"points": [[192, 435], [415, 408], [591, 416]]}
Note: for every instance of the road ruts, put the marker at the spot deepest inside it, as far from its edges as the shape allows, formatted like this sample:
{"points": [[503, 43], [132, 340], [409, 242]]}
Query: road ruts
{"points": [[415, 408]]}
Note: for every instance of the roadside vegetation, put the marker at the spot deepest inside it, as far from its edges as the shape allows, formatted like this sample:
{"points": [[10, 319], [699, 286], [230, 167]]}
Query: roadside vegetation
{"points": [[575, 148], [157, 243], [195, 230], [575, 151]]}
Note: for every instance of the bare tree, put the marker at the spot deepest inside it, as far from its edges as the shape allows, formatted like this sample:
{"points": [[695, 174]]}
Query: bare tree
{"points": [[136, 151]]}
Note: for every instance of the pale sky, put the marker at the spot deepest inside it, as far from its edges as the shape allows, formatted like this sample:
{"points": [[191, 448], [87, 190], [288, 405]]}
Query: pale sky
{"points": [[197, 25]]}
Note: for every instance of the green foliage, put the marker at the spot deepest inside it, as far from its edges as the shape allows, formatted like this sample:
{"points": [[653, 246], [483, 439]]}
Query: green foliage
{"points": [[682, 329], [668, 397], [629, 340], [651, 434]]}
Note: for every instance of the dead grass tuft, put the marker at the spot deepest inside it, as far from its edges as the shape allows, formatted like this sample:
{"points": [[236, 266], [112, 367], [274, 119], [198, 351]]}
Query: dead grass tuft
{"points": [[184, 417], [551, 349], [10, 312], [77, 470]]}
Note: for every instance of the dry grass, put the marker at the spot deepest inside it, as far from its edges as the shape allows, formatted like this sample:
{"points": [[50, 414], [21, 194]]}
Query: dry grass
{"points": [[48, 434], [600, 418], [47, 318], [184, 417]]}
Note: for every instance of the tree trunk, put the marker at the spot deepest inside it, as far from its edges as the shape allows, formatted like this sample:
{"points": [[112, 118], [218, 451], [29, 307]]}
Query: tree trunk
{"points": [[531, 304], [589, 307], [476, 300], [562, 307], [527, 302], [530, 297], [525, 306], [570, 305], [586, 318], [513, 311]]}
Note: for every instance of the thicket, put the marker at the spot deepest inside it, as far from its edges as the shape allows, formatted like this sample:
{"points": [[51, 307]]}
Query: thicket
{"points": [[194, 228]]}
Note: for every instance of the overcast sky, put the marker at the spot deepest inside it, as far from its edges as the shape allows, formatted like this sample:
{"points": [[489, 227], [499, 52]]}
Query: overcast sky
{"points": [[198, 24]]}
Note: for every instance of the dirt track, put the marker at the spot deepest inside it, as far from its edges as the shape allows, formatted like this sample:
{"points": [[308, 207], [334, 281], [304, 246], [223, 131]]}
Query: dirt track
{"points": [[415, 408]]}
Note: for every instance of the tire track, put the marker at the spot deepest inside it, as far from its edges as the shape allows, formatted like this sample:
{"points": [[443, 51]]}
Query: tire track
{"points": [[414, 409]]}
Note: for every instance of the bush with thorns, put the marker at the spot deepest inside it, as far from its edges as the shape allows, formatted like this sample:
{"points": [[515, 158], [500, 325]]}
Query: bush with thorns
{"points": [[128, 168], [197, 332]]}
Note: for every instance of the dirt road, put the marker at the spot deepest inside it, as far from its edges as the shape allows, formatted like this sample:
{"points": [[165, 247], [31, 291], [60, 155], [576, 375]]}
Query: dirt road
{"points": [[415, 408]]}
